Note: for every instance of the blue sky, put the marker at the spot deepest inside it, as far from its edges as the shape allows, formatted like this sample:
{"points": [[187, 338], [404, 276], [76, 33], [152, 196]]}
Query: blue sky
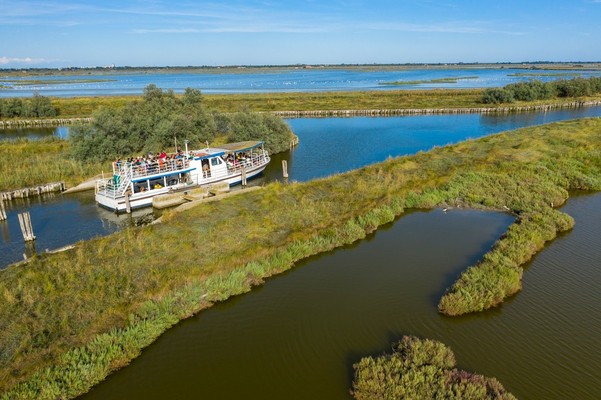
{"points": [[230, 32]]}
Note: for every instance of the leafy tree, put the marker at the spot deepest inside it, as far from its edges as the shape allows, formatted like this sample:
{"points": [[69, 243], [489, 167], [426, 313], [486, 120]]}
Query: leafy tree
{"points": [[497, 96], [42, 106], [12, 107], [577, 87], [153, 123]]}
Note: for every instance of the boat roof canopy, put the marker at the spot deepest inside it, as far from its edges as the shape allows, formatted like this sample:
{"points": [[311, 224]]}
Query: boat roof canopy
{"points": [[227, 148], [241, 146]]}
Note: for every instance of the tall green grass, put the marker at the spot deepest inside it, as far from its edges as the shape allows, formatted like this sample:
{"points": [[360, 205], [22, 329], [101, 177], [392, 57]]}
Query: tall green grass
{"points": [[27, 163], [67, 320]]}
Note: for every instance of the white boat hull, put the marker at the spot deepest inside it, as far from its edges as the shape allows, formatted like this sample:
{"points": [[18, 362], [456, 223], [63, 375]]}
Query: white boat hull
{"points": [[144, 199]]}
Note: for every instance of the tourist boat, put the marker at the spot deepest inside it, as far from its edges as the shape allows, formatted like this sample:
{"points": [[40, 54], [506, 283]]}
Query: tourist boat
{"points": [[134, 184]]}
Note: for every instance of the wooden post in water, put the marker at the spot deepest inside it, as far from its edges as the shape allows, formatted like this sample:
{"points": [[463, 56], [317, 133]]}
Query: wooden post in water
{"points": [[2, 210], [243, 175], [285, 169], [25, 222]]}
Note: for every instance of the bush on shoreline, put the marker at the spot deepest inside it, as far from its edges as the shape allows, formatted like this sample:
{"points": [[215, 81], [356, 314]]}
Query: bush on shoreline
{"points": [[421, 369], [536, 90], [36, 107]]}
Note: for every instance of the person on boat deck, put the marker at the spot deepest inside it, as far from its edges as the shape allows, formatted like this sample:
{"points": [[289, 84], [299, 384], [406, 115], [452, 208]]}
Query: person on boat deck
{"points": [[205, 168]]}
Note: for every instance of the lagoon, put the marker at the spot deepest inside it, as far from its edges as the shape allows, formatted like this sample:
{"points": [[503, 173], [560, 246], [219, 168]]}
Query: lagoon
{"points": [[276, 80]]}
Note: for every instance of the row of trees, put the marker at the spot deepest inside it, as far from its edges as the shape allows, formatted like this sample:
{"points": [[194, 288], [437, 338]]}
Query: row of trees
{"points": [[537, 90], [154, 123], [35, 107]]}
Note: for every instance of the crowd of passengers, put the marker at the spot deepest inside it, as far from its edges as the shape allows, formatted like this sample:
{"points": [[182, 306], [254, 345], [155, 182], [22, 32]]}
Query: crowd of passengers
{"points": [[159, 162], [153, 163]]}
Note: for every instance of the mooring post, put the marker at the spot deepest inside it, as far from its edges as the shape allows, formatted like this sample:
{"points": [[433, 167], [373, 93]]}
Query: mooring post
{"points": [[127, 204], [26, 228], [2, 210], [285, 169], [243, 176]]}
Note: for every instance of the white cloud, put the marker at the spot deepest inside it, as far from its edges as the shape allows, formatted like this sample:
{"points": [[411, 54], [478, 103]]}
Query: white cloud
{"points": [[24, 60]]}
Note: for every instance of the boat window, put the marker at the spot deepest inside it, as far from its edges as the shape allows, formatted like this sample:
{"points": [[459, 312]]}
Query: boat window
{"points": [[215, 161]]}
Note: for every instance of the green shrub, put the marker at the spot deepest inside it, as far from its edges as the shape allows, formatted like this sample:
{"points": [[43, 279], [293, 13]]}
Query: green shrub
{"points": [[160, 119], [421, 369]]}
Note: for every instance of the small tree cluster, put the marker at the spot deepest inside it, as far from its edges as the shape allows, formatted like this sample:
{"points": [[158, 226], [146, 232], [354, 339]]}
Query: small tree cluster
{"points": [[537, 90], [36, 107], [161, 118]]}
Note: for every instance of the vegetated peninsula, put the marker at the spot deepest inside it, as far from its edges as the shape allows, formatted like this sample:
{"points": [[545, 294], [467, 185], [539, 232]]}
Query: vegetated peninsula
{"points": [[69, 319]]}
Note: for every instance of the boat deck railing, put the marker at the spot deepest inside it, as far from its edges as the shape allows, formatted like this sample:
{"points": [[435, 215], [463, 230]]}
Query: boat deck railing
{"points": [[157, 166], [123, 173], [235, 168]]}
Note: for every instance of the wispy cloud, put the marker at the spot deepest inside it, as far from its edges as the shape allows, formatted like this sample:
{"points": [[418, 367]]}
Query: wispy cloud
{"points": [[447, 27], [24, 60]]}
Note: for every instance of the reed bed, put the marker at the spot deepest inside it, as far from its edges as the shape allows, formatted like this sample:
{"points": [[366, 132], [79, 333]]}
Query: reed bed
{"points": [[84, 107], [421, 369], [69, 319], [27, 163]]}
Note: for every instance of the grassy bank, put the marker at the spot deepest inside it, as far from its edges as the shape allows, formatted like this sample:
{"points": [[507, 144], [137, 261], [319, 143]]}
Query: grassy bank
{"points": [[367, 100], [67, 320], [27, 163], [84, 106], [421, 369]]}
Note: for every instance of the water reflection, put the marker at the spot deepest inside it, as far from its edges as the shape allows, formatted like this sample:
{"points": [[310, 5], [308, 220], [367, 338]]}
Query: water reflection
{"points": [[34, 133]]}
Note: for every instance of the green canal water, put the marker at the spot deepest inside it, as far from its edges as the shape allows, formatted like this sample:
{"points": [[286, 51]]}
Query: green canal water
{"points": [[298, 335]]}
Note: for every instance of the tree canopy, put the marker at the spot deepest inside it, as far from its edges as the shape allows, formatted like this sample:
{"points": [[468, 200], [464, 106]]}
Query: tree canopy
{"points": [[161, 118]]}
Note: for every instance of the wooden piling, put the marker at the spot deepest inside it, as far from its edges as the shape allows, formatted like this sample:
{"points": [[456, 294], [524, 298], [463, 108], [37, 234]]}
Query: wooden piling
{"points": [[2, 210], [285, 169], [26, 228], [243, 176], [127, 204]]}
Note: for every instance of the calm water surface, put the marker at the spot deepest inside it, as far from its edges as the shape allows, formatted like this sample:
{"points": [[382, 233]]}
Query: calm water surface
{"points": [[332, 145], [57, 220], [297, 336], [267, 81], [33, 133]]}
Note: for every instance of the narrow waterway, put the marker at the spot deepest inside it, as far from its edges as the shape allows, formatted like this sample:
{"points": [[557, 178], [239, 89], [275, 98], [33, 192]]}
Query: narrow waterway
{"points": [[332, 145], [297, 336]]}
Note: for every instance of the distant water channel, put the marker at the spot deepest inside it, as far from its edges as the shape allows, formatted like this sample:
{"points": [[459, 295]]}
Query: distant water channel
{"points": [[297, 336], [327, 146]]}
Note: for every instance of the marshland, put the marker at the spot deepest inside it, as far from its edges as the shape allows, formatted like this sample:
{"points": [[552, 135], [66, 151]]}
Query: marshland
{"points": [[525, 175]]}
